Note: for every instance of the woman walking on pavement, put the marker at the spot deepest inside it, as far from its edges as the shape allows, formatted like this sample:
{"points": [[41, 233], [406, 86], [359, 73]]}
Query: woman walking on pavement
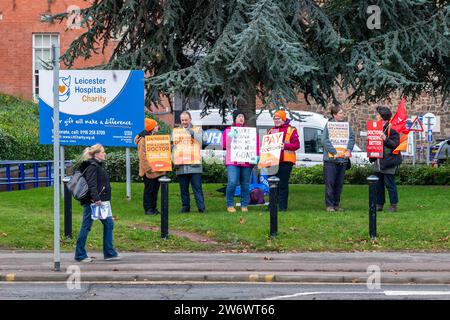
{"points": [[99, 186], [288, 157], [334, 163]]}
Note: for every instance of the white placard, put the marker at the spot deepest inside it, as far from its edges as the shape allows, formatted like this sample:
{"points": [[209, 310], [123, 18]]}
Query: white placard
{"points": [[243, 145]]}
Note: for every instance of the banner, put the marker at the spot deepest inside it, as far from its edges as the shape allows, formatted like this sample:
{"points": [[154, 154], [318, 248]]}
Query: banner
{"points": [[338, 134], [186, 150], [157, 150], [243, 145], [96, 106], [374, 144], [271, 150]]}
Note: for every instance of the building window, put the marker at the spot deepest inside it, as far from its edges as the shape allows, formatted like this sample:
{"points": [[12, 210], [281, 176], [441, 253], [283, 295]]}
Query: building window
{"points": [[42, 45]]}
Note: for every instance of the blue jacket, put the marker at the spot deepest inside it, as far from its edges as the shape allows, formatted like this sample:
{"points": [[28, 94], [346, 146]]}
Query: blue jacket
{"points": [[328, 147]]}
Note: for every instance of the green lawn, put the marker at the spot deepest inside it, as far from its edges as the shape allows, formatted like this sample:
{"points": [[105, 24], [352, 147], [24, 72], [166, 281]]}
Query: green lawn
{"points": [[422, 223]]}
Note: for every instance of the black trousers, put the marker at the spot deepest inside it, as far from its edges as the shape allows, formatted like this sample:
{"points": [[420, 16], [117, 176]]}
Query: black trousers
{"points": [[334, 174], [151, 188], [387, 180], [284, 173]]}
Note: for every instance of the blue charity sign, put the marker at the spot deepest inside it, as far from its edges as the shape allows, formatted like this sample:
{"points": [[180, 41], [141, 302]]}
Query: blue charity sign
{"points": [[96, 106]]}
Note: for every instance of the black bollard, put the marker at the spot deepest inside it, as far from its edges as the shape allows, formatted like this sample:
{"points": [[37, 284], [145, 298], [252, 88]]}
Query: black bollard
{"points": [[372, 206], [164, 206], [67, 210], [273, 205]]}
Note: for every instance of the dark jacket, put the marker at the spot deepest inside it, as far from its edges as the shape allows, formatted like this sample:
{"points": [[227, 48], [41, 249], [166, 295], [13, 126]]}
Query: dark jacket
{"points": [[98, 181], [392, 141]]}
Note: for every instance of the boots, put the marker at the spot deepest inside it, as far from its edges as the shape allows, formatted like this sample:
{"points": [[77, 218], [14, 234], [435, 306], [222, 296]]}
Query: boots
{"points": [[379, 207]]}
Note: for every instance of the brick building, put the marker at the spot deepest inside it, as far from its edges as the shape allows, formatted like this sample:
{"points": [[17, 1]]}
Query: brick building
{"points": [[26, 39]]}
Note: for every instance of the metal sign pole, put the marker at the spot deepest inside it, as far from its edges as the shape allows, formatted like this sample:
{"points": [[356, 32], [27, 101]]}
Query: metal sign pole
{"points": [[128, 172], [63, 169], [56, 180]]}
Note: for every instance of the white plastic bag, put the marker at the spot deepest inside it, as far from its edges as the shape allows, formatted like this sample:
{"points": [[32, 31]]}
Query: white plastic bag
{"points": [[101, 212]]}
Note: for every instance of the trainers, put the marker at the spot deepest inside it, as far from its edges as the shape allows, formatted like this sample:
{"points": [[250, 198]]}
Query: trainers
{"points": [[184, 210], [231, 209], [151, 212], [118, 257], [244, 209], [393, 208], [86, 260], [339, 209], [330, 209], [379, 207]]}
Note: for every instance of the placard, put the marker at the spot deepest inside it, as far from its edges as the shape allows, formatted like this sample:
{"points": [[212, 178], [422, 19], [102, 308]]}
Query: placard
{"points": [[338, 134], [157, 150], [186, 150], [243, 145], [271, 150], [374, 144]]}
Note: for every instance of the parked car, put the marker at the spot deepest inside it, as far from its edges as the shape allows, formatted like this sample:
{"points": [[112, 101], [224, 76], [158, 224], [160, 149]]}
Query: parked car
{"points": [[442, 154], [310, 131]]}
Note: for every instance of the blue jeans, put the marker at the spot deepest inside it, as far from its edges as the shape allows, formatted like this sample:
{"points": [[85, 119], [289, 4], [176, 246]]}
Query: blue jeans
{"points": [[334, 174], [108, 226], [241, 174], [196, 182]]}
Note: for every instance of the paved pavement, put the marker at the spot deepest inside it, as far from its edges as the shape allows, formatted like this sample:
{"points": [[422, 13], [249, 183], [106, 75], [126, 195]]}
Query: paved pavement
{"points": [[394, 267]]}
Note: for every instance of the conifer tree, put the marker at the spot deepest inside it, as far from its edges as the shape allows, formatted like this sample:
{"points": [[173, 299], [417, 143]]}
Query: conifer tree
{"points": [[230, 51]]}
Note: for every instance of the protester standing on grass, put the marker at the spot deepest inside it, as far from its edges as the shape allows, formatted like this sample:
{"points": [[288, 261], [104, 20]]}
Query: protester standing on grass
{"points": [[386, 167], [191, 173], [99, 190], [288, 158], [334, 163], [237, 171], [151, 182]]}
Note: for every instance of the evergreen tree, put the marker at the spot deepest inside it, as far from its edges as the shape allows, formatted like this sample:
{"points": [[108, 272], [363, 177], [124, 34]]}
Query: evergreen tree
{"points": [[228, 52]]}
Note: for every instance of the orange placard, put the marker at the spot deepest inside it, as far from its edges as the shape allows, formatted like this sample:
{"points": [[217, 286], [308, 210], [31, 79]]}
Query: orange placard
{"points": [[186, 150], [271, 150], [157, 150]]}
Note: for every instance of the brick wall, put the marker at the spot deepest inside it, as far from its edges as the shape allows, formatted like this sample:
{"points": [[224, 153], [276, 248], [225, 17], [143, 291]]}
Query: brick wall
{"points": [[19, 20]]}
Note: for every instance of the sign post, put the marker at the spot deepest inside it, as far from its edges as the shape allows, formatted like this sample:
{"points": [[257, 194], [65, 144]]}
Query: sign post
{"points": [[56, 188], [416, 126], [430, 121]]}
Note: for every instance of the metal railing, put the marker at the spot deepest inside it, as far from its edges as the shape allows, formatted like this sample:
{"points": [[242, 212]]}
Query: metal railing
{"points": [[26, 172]]}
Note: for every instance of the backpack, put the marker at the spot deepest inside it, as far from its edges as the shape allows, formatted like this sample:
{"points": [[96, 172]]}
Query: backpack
{"points": [[257, 196], [78, 185]]}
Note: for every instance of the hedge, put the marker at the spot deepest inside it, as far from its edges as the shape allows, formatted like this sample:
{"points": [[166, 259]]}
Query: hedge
{"points": [[216, 173]]}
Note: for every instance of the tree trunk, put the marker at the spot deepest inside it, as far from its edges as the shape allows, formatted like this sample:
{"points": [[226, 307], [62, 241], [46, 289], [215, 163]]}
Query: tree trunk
{"points": [[248, 105]]}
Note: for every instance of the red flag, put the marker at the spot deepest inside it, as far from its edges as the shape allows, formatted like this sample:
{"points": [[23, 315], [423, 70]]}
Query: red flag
{"points": [[398, 121]]}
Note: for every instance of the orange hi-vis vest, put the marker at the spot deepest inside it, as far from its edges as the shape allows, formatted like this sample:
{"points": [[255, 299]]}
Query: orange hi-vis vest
{"points": [[288, 155]]}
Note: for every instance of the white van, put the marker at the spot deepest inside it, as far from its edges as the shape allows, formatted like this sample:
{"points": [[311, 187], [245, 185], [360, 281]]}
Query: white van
{"points": [[310, 131]]}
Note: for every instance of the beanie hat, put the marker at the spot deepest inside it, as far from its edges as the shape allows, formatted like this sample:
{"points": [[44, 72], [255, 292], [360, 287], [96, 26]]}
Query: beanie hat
{"points": [[236, 113], [150, 124], [384, 112], [281, 114]]}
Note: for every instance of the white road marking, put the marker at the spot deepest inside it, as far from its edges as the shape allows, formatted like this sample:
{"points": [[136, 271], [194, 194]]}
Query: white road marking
{"points": [[386, 293]]}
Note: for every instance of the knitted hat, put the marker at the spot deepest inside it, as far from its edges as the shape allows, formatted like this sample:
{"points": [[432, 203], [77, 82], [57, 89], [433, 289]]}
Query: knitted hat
{"points": [[236, 113], [281, 114], [150, 124], [384, 112]]}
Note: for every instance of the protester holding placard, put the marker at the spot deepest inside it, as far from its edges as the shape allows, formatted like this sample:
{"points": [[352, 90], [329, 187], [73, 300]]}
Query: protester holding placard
{"points": [[248, 148], [288, 158], [385, 167], [99, 194], [338, 140], [150, 177], [187, 142]]}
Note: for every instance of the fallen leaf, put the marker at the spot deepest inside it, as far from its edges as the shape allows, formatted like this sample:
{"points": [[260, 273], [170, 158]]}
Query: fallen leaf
{"points": [[115, 218], [4, 234], [241, 220]]}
